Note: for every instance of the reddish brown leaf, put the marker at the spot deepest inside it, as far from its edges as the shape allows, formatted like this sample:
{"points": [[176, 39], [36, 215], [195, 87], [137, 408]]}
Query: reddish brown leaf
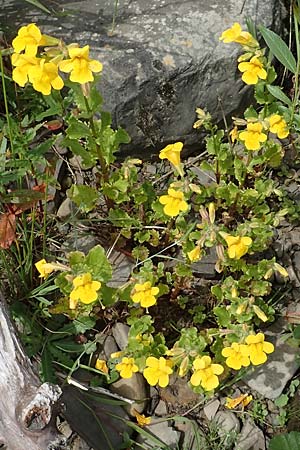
{"points": [[53, 125], [7, 229]]}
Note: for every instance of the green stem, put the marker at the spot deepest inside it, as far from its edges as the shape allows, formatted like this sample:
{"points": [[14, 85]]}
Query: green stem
{"points": [[104, 171], [5, 102], [114, 17], [296, 89]]}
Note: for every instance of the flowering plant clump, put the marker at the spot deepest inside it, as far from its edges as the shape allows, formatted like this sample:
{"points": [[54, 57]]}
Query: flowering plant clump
{"points": [[163, 224]]}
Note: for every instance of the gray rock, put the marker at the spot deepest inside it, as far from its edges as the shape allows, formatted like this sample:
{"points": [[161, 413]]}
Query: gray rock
{"points": [[162, 431], [227, 422], [193, 436], [205, 267], [109, 346], [269, 379], [133, 388], [122, 267], [66, 209], [120, 333], [211, 408], [163, 60], [79, 240], [250, 438], [161, 409]]}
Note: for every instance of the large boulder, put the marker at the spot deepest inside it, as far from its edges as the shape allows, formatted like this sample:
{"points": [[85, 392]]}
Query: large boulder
{"points": [[162, 60]]}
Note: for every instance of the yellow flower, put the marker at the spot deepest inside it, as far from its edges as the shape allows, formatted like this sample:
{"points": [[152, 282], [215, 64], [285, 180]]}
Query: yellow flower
{"points": [[44, 268], [234, 134], [278, 126], [127, 367], [252, 71], [258, 348], [157, 371], [141, 419], [101, 365], [23, 63], [29, 38], [44, 77], [174, 202], [195, 254], [242, 400], [253, 136], [145, 294], [85, 289], [237, 355], [172, 153], [235, 34], [205, 373], [80, 66], [237, 245]]}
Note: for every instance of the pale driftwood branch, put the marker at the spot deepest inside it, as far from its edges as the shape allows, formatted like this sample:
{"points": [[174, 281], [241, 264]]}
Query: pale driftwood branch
{"points": [[26, 406]]}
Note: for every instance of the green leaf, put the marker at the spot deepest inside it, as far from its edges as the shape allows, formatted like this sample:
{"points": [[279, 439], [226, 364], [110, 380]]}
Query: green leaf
{"points": [[47, 370], [282, 400], [77, 129], [277, 93], [98, 263], [39, 5], [288, 441], [88, 159], [223, 316], [85, 197], [296, 332], [279, 49]]}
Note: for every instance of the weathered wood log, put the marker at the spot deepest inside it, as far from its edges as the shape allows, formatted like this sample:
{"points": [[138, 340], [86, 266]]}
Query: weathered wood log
{"points": [[26, 406]]}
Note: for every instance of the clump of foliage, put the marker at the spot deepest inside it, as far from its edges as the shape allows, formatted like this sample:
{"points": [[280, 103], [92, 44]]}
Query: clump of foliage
{"points": [[235, 215]]}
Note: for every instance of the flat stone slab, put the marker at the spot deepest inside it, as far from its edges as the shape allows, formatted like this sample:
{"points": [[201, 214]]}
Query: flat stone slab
{"points": [[163, 60], [270, 378]]}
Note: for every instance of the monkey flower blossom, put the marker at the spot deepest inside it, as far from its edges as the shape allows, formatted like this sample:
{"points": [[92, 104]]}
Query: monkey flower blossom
{"points": [[235, 34], [23, 63], [258, 348], [44, 77], [28, 39], [278, 126], [253, 136], [195, 254], [172, 153], [237, 355], [85, 289], [101, 365], [127, 367], [205, 373], [157, 371], [174, 202], [44, 268], [252, 70], [145, 294], [237, 245], [80, 65]]}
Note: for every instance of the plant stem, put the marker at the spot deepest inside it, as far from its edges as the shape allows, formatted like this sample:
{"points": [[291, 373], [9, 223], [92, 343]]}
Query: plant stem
{"points": [[114, 17], [5, 102], [104, 172], [296, 88]]}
